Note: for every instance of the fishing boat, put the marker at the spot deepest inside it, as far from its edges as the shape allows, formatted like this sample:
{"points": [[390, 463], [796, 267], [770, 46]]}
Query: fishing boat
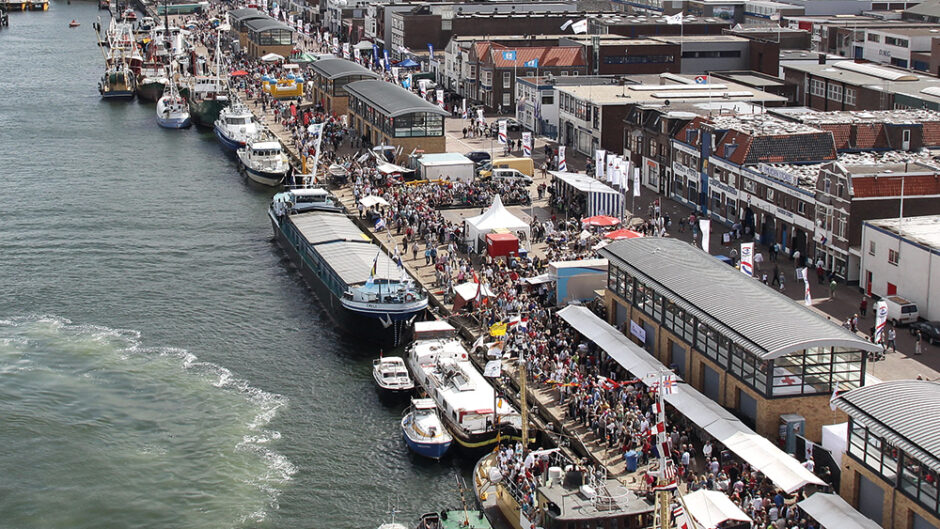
{"points": [[470, 408], [423, 431], [236, 125], [152, 81], [562, 495], [391, 375], [208, 94], [456, 519], [342, 266], [172, 110], [118, 82], [39, 5], [104, 4], [264, 161], [129, 14]]}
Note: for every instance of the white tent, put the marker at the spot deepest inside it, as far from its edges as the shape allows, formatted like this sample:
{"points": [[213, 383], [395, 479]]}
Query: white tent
{"points": [[493, 219], [710, 508], [467, 292], [372, 200], [272, 57], [832, 512]]}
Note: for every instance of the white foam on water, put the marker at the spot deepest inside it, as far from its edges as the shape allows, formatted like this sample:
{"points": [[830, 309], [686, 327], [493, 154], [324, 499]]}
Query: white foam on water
{"points": [[278, 469]]}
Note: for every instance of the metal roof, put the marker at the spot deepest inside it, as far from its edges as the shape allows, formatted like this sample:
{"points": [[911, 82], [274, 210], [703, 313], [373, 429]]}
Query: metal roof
{"points": [[391, 99], [755, 316], [319, 227], [266, 24], [905, 412], [334, 68], [352, 261], [241, 14], [831, 511]]}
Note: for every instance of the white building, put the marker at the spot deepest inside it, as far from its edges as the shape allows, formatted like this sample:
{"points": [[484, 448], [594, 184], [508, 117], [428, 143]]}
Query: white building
{"points": [[894, 46], [898, 259]]}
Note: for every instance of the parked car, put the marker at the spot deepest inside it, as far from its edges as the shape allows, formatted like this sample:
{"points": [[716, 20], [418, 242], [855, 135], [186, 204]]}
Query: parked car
{"points": [[930, 330], [901, 311], [510, 175], [479, 157], [513, 125]]}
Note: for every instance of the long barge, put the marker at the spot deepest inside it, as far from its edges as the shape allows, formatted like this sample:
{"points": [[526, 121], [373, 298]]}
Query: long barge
{"points": [[364, 290]]}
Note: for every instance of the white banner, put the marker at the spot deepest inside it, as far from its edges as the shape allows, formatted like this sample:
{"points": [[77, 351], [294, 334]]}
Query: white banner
{"points": [[637, 330], [493, 369], [440, 98], [610, 168], [562, 163], [705, 226], [599, 163], [881, 317], [527, 144], [636, 181], [503, 128], [747, 258], [480, 117]]}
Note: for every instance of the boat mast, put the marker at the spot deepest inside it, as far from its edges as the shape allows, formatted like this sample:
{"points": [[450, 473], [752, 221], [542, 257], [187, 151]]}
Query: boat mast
{"points": [[661, 518], [523, 405]]}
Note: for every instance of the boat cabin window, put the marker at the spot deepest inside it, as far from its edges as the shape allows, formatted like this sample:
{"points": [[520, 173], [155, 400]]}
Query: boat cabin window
{"points": [[237, 121]]}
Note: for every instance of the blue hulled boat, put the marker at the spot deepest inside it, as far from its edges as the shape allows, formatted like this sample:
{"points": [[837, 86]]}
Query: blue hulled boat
{"points": [[423, 431]]}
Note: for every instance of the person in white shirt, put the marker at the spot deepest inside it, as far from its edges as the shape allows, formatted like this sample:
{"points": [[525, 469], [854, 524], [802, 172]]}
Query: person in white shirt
{"points": [[810, 465]]}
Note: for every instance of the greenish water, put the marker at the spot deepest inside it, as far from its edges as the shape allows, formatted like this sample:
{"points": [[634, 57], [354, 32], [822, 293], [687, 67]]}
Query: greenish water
{"points": [[161, 364]]}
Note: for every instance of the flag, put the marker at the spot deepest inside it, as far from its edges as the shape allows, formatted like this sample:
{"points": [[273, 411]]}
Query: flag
{"points": [[881, 317], [747, 258], [636, 181], [463, 109], [705, 225], [494, 350], [375, 53], [374, 269], [519, 322], [701, 79], [567, 24], [562, 163], [479, 343], [527, 144], [659, 427], [431, 50], [498, 329], [440, 98], [580, 26], [669, 487], [674, 19], [610, 168], [480, 116], [670, 385], [599, 156], [356, 56], [423, 85], [493, 369], [832, 399], [509, 55], [388, 62], [775, 17], [379, 224], [534, 63], [503, 126], [346, 50], [678, 514], [406, 82]]}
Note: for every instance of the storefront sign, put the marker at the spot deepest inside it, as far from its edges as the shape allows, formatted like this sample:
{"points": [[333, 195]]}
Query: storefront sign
{"points": [[777, 174], [637, 330]]}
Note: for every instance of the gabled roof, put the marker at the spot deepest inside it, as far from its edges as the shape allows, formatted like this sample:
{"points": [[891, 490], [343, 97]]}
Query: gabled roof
{"points": [[791, 148], [757, 317], [905, 412], [391, 99], [914, 185], [336, 68], [547, 56], [694, 125]]}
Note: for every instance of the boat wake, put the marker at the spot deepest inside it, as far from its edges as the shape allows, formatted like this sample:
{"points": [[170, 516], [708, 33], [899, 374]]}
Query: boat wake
{"points": [[189, 437]]}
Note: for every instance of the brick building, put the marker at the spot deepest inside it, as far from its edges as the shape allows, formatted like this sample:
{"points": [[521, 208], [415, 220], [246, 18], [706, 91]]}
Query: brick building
{"points": [[638, 26], [387, 114], [330, 77], [745, 346]]}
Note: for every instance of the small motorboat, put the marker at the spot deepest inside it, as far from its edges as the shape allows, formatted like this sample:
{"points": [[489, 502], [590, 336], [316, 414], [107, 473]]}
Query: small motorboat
{"points": [[236, 125], [172, 110], [302, 200], [74, 24], [389, 372], [423, 431], [264, 160]]}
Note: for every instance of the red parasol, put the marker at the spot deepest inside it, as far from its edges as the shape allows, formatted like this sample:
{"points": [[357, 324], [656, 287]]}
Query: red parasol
{"points": [[238, 73], [604, 221], [623, 234]]}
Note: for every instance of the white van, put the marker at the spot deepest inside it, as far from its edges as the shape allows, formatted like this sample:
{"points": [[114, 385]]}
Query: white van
{"points": [[901, 311], [511, 175]]}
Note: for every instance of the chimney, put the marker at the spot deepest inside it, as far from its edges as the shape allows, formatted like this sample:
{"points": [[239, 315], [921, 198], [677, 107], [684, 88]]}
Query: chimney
{"points": [[822, 58]]}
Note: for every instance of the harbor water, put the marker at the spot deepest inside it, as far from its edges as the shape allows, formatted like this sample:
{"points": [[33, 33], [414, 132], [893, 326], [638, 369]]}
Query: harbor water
{"points": [[161, 363]]}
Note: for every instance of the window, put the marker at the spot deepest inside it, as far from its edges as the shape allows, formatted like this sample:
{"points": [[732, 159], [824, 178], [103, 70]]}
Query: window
{"points": [[507, 79], [871, 247], [835, 93], [749, 185], [893, 257], [506, 100], [548, 98], [801, 207], [770, 194], [849, 96], [817, 88], [874, 38]]}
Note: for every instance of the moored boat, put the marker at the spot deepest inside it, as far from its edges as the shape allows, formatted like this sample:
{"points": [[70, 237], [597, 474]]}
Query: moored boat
{"points": [[470, 408], [455, 519], [423, 431], [236, 125], [391, 375], [337, 259], [129, 14], [39, 5], [152, 81], [208, 94], [172, 110], [118, 82], [264, 161]]}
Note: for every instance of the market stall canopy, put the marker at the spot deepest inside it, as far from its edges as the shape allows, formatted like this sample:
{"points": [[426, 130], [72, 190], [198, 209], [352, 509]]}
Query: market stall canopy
{"points": [[710, 508], [616, 235], [496, 217], [272, 57], [467, 292], [781, 468], [832, 512], [363, 45], [604, 221], [372, 201], [408, 63]]}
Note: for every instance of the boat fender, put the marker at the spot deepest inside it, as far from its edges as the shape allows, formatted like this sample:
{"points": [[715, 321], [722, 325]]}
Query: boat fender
{"points": [[463, 356]]}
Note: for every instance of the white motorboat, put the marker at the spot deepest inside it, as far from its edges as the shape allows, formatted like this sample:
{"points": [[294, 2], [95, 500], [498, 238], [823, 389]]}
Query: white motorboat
{"points": [[236, 125], [423, 431], [172, 110], [469, 406], [391, 375], [264, 161]]}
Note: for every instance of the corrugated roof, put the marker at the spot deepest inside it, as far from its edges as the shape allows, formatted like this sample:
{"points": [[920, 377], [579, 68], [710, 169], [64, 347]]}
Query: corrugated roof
{"points": [[335, 68], [905, 412], [320, 227], [546, 55], [393, 100], [266, 24], [352, 261], [241, 14], [769, 324]]}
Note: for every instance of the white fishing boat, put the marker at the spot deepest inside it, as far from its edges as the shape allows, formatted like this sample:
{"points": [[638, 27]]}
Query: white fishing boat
{"points": [[391, 375], [264, 161], [236, 125], [469, 406], [423, 431], [172, 110]]}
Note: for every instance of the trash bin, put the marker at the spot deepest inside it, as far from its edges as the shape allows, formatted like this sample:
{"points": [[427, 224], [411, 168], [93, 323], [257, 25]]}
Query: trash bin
{"points": [[631, 458]]}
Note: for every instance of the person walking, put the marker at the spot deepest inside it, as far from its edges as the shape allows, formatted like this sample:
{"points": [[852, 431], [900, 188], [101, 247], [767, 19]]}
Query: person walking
{"points": [[918, 343], [892, 335], [863, 307], [832, 289], [777, 278]]}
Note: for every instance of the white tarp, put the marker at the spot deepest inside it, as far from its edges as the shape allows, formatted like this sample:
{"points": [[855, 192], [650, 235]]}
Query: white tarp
{"points": [[781, 468], [835, 439], [372, 201], [496, 217], [710, 508], [272, 57], [390, 168], [468, 290], [832, 512]]}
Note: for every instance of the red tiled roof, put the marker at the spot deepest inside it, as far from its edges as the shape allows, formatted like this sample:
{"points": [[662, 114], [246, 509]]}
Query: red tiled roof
{"points": [[481, 48], [695, 124], [548, 56], [870, 136], [914, 185], [739, 153], [841, 133]]}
